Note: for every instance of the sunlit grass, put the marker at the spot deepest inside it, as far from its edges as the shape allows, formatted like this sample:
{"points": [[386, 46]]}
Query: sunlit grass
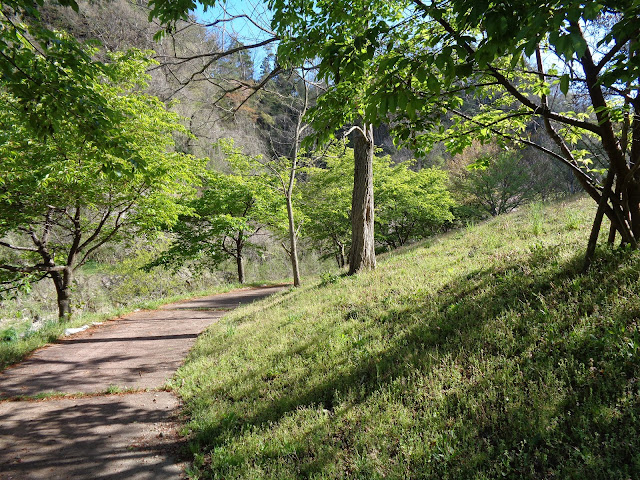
{"points": [[483, 353]]}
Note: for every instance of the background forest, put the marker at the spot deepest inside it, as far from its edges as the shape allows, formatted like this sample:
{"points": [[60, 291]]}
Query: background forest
{"points": [[240, 113]]}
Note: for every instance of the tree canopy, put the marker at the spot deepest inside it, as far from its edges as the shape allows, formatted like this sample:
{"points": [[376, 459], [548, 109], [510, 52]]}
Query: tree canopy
{"points": [[424, 60], [63, 196], [224, 219], [50, 73]]}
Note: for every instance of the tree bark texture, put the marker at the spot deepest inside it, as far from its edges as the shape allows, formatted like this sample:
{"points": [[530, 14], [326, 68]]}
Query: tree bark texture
{"points": [[62, 281], [362, 255]]}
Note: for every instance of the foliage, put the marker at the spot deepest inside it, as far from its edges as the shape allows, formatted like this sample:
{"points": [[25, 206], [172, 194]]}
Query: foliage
{"points": [[51, 75], [340, 35], [231, 209], [497, 183], [409, 205], [326, 204], [65, 196], [429, 58]]}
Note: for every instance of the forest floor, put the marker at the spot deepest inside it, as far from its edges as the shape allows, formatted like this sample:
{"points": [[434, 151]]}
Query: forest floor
{"points": [[94, 405]]}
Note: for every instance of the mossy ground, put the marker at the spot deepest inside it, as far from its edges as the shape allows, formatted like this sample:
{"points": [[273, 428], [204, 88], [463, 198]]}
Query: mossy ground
{"points": [[483, 353]]}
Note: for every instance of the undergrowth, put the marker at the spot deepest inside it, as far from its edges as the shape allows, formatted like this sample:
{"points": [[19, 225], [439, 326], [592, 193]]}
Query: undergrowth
{"points": [[484, 353], [114, 284]]}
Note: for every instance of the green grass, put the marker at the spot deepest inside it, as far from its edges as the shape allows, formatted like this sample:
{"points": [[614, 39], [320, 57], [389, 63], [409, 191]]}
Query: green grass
{"points": [[55, 395], [484, 353]]}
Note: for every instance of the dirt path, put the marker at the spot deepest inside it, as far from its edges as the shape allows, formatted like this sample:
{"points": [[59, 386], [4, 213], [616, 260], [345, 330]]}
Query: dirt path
{"points": [[126, 436]]}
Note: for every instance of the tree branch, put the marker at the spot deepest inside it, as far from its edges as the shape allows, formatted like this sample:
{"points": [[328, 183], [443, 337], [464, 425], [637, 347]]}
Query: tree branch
{"points": [[352, 129], [32, 269], [612, 52], [18, 248], [512, 89]]}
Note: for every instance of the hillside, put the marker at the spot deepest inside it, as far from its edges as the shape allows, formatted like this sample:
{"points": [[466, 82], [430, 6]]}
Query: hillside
{"points": [[483, 353]]}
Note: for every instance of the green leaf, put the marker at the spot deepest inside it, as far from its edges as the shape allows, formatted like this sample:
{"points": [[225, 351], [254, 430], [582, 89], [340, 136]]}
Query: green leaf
{"points": [[464, 70], [433, 84], [392, 102], [421, 74], [402, 100], [383, 108], [578, 44], [592, 10], [564, 83]]}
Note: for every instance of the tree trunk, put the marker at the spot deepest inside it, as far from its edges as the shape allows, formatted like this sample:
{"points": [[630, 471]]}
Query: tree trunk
{"points": [[293, 241], [597, 222], [362, 255], [341, 260], [238, 256], [62, 281], [240, 265], [612, 235]]}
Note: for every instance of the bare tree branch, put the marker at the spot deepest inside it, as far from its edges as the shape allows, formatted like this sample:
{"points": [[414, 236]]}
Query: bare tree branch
{"points": [[18, 248]]}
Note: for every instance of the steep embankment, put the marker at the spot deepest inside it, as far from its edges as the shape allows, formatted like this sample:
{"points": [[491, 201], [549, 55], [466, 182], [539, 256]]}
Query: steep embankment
{"points": [[483, 353]]}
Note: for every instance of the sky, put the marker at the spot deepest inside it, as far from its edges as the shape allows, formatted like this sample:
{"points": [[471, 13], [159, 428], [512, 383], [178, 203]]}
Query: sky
{"points": [[241, 28]]}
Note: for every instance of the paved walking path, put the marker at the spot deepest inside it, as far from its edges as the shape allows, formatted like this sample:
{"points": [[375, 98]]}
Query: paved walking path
{"points": [[126, 436]]}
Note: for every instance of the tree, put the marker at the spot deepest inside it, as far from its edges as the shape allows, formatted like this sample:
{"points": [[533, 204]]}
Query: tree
{"points": [[497, 183], [362, 254], [343, 104], [518, 57], [411, 205], [326, 204], [292, 54], [322, 35], [231, 209], [64, 196], [285, 170], [45, 72]]}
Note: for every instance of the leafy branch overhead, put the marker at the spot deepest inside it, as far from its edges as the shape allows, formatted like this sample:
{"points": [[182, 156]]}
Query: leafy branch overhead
{"points": [[459, 70]]}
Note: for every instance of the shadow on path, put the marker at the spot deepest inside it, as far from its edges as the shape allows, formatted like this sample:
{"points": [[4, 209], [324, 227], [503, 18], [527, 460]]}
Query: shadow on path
{"points": [[114, 437], [105, 437]]}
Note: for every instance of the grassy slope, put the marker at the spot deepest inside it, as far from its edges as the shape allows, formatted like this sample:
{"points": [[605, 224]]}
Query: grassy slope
{"points": [[481, 354]]}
